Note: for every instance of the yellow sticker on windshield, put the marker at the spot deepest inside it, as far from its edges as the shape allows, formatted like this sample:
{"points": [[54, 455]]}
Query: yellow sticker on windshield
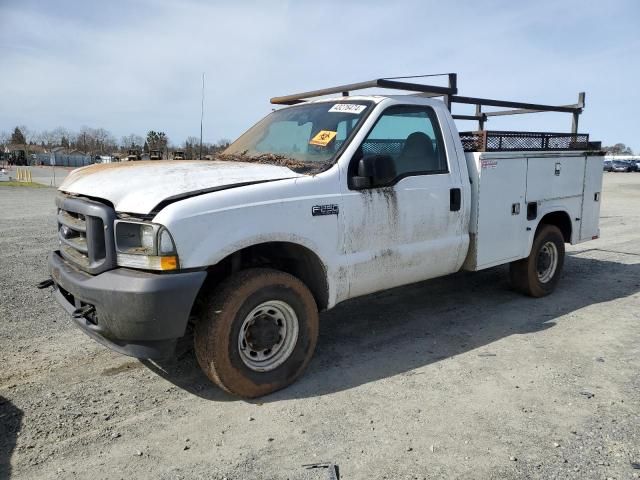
{"points": [[323, 138]]}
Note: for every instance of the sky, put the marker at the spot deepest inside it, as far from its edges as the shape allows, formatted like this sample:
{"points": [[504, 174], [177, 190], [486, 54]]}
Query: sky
{"points": [[136, 65]]}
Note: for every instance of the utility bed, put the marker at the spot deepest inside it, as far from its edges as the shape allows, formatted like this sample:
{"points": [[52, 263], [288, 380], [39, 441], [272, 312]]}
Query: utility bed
{"points": [[518, 176], [512, 190]]}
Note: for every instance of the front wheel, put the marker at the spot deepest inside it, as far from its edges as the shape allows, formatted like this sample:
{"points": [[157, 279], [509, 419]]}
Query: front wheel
{"points": [[257, 332], [538, 274]]}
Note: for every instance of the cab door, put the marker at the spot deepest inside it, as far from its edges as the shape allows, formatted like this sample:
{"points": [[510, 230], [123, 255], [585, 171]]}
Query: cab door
{"points": [[411, 228]]}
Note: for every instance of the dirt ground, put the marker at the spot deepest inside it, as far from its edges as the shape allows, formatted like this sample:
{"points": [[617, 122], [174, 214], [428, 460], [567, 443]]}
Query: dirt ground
{"points": [[452, 378]]}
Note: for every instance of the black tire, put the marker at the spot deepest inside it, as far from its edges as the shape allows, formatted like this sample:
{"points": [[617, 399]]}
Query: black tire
{"points": [[525, 274], [219, 341]]}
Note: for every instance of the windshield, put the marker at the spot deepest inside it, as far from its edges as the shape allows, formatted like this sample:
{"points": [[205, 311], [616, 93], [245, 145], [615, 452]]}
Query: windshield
{"points": [[304, 138]]}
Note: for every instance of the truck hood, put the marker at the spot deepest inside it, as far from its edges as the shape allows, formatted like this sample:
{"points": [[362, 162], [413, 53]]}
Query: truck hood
{"points": [[140, 187]]}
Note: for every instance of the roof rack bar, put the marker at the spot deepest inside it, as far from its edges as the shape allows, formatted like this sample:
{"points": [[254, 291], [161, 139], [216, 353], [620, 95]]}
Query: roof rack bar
{"points": [[527, 106], [467, 117], [293, 98], [575, 109], [576, 115], [416, 87], [453, 86], [482, 117], [515, 111], [376, 83]]}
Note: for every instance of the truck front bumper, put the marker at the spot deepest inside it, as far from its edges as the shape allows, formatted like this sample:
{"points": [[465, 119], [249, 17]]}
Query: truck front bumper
{"points": [[139, 314]]}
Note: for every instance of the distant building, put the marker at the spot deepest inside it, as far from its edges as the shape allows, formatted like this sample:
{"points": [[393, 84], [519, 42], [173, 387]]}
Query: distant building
{"points": [[64, 157]]}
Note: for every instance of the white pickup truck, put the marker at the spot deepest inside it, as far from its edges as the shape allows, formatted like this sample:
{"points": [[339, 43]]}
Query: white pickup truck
{"points": [[321, 201]]}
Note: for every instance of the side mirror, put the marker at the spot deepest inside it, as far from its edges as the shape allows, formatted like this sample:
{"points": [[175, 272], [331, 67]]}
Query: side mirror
{"points": [[374, 171]]}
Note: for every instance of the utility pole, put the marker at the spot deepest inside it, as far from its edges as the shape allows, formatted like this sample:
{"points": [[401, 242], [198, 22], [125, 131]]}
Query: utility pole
{"points": [[201, 114]]}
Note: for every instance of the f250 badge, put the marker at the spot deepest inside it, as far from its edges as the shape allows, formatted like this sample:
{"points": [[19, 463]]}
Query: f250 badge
{"points": [[317, 210]]}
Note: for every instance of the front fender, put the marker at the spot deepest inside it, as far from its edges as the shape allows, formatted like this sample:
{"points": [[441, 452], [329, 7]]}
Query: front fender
{"points": [[213, 256]]}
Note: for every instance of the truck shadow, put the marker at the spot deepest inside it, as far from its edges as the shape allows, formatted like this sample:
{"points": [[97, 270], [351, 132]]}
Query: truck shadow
{"points": [[10, 424], [394, 332]]}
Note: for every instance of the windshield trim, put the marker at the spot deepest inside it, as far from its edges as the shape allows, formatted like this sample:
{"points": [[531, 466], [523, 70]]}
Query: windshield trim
{"points": [[331, 161]]}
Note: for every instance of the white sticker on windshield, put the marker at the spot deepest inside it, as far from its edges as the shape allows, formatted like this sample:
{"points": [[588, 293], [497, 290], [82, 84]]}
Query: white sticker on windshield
{"points": [[347, 108]]}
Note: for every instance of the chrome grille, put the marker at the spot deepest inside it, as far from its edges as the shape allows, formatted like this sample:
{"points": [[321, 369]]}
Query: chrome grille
{"points": [[85, 232], [72, 233]]}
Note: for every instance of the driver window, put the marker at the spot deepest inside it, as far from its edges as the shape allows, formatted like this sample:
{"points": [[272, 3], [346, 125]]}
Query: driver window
{"points": [[411, 136]]}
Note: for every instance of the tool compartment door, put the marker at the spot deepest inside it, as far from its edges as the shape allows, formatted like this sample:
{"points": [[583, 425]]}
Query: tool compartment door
{"points": [[554, 177], [590, 224], [501, 211]]}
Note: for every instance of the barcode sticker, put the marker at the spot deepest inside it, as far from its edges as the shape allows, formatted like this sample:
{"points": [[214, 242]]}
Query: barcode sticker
{"points": [[348, 108]]}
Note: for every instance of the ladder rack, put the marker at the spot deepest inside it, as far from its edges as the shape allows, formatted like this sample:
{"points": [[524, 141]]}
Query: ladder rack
{"points": [[449, 94]]}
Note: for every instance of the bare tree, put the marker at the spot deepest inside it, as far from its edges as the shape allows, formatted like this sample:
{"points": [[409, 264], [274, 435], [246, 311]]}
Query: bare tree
{"points": [[618, 149], [46, 138], [59, 134], [191, 145], [94, 140], [193, 140], [84, 140], [5, 137], [163, 140], [50, 138], [132, 141], [104, 140], [223, 143]]}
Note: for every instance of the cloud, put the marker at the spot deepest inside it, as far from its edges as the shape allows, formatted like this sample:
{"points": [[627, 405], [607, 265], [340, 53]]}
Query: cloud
{"points": [[135, 66]]}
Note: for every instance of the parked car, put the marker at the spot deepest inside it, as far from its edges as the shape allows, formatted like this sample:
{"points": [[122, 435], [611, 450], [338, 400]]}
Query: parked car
{"points": [[607, 166], [620, 166], [134, 154], [633, 165]]}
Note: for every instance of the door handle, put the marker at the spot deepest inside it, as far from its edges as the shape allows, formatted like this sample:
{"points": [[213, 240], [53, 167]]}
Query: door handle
{"points": [[455, 199]]}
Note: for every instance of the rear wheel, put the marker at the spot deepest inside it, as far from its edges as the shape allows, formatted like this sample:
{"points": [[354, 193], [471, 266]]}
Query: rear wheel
{"points": [[257, 332], [538, 274]]}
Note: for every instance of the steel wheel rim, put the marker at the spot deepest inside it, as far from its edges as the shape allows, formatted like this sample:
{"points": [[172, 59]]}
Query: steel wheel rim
{"points": [[547, 262], [264, 355]]}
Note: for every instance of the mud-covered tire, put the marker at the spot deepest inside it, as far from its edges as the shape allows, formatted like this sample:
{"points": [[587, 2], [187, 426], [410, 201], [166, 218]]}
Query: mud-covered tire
{"points": [[538, 274], [221, 331]]}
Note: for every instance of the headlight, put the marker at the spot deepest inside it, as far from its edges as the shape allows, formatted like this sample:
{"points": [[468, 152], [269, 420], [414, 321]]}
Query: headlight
{"points": [[144, 245]]}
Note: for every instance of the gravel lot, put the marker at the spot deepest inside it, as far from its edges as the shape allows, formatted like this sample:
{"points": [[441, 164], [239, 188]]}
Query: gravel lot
{"points": [[455, 377]]}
